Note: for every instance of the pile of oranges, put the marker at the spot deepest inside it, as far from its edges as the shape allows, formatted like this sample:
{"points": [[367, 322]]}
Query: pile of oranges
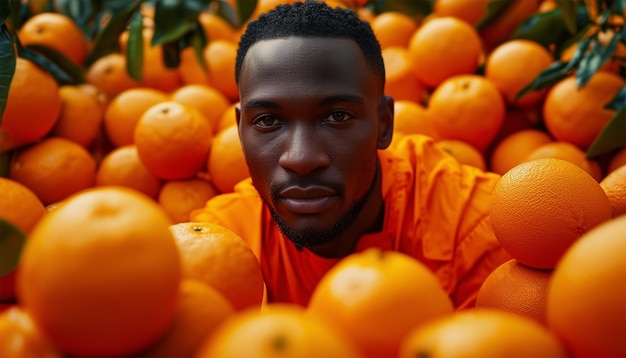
{"points": [[103, 176]]}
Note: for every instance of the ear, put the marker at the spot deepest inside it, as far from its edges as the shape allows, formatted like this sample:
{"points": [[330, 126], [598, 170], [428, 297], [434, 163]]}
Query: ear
{"points": [[385, 121]]}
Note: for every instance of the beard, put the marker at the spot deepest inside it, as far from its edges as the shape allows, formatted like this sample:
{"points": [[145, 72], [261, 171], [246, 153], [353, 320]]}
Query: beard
{"points": [[313, 237]]}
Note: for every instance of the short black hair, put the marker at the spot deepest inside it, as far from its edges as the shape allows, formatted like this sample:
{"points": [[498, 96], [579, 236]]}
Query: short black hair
{"points": [[312, 18]]}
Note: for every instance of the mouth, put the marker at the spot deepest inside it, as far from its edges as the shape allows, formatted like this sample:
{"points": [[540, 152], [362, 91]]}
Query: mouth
{"points": [[309, 200]]}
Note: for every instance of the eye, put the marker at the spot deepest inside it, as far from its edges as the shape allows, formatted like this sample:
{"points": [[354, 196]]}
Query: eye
{"points": [[337, 117], [266, 121]]}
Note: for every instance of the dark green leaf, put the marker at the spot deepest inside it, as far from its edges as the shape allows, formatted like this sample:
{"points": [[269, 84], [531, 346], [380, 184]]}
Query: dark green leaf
{"points": [[197, 39], [8, 60], [226, 11], [81, 11], [494, 8], [546, 78], [245, 9], [172, 20], [571, 40], [413, 8], [107, 39], [134, 47], [38, 58], [544, 28], [619, 6], [613, 136], [171, 54], [582, 47], [568, 12], [12, 240], [11, 11], [5, 163], [73, 73], [619, 101], [594, 59]]}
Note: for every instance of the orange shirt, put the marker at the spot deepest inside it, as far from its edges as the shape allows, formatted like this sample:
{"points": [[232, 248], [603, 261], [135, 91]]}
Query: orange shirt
{"points": [[435, 210]]}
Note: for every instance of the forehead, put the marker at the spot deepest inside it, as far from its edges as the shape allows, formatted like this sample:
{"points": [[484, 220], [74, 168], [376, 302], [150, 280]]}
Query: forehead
{"points": [[304, 64]]}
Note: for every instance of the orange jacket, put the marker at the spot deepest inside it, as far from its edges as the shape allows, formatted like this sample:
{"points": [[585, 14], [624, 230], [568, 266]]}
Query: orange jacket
{"points": [[435, 210]]}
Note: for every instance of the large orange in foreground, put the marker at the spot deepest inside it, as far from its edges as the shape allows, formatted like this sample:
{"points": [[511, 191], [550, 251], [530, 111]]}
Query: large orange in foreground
{"points": [[586, 303], [541, 207], [376, 297], [481, 332], [100, 274]]}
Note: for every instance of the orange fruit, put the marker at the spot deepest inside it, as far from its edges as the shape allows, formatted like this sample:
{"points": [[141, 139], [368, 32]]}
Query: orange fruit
{"points": [[200, 312], [53, 169], [444, 47], [154, 73], [567, 151], [218, 257], [393, 28], [614, 185], [513, 65], [400, 82], [56, 31], [190, 69], [19, 205], [216, 27], [617, 159], [124, 111], [280, 330], [226, 163], [173, 140], [122, 167], [577, 115], [541, 207], [412, 118], [219, 57], [180, 197], [375, 297], [109, 73], [507, 21], [586, 303], [513, 149], [229, 117], [463, 152], [468, 108], [31, 110], [23, 209], [20, 336], [81, 115], [481, 332], [471, 11], [209, 101], [104, 261], [516, 288]]}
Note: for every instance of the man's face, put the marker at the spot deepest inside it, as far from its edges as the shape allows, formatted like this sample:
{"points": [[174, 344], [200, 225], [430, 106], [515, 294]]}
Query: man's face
{"points": [[310, 126]]}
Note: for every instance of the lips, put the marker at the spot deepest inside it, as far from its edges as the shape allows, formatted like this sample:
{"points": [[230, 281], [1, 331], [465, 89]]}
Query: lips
{"points": [[309, 200]]}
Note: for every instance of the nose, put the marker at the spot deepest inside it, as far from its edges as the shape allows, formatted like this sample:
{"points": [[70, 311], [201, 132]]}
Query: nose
{"points": [[303, 151]]}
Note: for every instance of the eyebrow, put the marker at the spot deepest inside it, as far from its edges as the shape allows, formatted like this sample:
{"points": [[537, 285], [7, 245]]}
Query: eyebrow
{"points": [[324, 101]]}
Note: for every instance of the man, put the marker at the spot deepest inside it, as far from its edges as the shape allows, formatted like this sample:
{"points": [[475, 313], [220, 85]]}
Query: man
{"points": [[314, 122]]}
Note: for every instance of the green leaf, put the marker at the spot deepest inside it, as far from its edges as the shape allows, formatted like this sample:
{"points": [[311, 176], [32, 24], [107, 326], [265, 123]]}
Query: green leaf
{"points": [[12, 240], [8, 60], [81, 11], [134, 47], [594, 59], [494, 8], [172, 20], [171, 53], [568, 12], [5, 163], [226, 11], [413, 8], [544, 28], [197, 39], [245, 9], [107, 39], [551, 75], [38, 58], [613, 136], [578, 55], [71, 72]]}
